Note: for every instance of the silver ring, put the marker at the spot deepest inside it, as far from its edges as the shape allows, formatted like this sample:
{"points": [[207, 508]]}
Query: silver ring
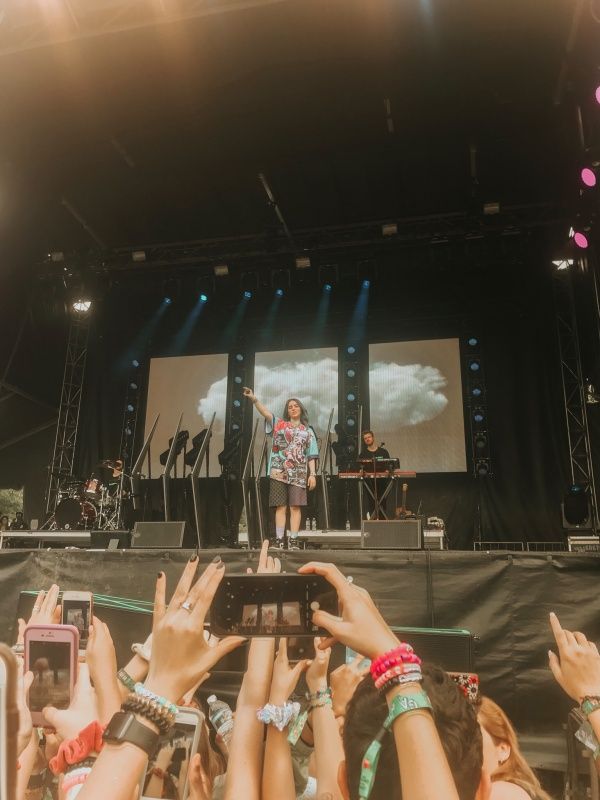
{"points": [[187, 605], [36, 609]]}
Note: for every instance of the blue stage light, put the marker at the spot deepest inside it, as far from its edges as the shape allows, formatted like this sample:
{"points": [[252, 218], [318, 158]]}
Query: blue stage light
{"points": [[351, 350], [350, 397], [203, 298], [133, 385], [366, 284], [474, 366], [237, 379], [130, 408], [279, 292], [135, 363], [327, 287], [167, 301], [476, 391], [236, 403], [472, 342], [247, 295], [351, 373], [239, 357]]}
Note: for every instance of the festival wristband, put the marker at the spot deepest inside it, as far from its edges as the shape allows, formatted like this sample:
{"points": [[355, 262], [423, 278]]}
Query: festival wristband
{"points": [[589, 704], [126, 679], [279, 716]]}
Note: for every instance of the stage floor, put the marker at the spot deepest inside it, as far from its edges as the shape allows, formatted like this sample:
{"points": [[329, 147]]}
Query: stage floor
{"points": [[502, 598]]}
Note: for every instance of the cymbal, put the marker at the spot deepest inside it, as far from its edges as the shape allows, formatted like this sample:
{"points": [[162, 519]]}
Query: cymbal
{"points": [[108, 463]]}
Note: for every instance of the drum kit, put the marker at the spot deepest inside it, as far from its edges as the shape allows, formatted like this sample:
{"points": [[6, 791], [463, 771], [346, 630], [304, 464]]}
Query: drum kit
{"points": [[92, 504]]}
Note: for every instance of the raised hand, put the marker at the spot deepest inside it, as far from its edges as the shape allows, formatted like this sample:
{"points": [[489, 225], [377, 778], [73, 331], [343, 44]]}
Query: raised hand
{"points": [[360, 625], [45, 611], [316, 674], [101, 659], [180, 653], [285, 678], [577, 665], [249, 393], [25, 724], [344, 681], [82, 710]]}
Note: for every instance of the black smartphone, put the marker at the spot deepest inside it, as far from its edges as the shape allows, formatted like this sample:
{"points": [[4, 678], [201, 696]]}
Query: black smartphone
{"points": [[78, 610], [271, 605]]}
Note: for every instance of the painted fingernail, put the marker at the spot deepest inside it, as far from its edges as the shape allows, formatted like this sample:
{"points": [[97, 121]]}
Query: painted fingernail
{"points": [[160, 574], [221, 565], [216, 559], [194, 557]]}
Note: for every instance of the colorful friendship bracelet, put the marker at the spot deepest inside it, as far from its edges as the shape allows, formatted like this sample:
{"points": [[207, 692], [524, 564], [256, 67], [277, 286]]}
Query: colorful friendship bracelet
{"points": [[384, 685], [590, 703], [162, 701], [150, 709], [403, 654]]}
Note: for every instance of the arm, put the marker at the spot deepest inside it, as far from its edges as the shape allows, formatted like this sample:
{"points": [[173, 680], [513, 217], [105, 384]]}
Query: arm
{"points": [[262, 410]]}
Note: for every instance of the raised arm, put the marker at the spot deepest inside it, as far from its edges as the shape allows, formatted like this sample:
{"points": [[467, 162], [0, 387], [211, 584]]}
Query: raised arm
{"points": [[262, 410]]}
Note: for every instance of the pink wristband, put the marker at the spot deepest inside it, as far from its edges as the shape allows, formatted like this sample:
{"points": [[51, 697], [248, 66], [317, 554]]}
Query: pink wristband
{"points": [[404, 654]]}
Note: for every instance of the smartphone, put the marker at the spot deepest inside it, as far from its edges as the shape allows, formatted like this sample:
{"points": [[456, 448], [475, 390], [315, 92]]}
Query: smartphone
{"points": [[351, 655], [51, 653], [78, 610], [9, 723], [270, 605], [167, 773]]}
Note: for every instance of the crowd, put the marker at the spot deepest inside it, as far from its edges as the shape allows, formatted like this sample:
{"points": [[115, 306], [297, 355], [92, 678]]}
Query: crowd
{"points": [[383, 729], [18, 523]]}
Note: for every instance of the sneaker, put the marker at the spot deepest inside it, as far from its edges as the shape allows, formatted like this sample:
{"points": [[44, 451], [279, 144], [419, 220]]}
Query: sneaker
{"points": [[279, 544], [293, 543]]}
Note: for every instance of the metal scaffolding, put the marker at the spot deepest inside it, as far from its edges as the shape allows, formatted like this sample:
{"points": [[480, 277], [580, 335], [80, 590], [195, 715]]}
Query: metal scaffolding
{"points": [[63, 456], [573, 385]]}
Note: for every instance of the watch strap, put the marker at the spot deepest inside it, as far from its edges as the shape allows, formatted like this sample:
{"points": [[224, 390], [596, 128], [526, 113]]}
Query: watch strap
{"points": [[124, 727]]}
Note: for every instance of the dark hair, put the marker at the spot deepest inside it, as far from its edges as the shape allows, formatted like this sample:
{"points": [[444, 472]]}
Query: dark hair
{"points": [[303, 411], [455, 719], [364, 433]]}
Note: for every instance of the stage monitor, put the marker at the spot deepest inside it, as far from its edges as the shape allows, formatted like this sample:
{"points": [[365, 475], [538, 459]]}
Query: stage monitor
{"points": [[416, 404], [196, 385], [310, 375]]}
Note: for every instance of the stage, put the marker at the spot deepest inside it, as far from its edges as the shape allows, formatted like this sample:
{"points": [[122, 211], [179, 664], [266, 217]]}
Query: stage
{"points": [[502, 598]]}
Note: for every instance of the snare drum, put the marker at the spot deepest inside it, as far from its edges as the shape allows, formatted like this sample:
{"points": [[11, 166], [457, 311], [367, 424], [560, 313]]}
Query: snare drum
{"points": [[93, 488]]}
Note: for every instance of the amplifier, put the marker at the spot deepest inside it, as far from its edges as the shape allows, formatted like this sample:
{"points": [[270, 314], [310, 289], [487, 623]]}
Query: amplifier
{"points": [[449, 648], [584, 544], [392, 534], [434, 539], [164, 535]]}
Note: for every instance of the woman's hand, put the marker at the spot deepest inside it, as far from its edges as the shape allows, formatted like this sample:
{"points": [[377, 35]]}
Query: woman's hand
{"points": [[180, 653], [285, 678], [360, 625], [101, 659], [344, 681], [44, 612], [82, 710], [316, 674], [25, 724], [198, 782], [249, 394], [311, 482], [577, 666]]}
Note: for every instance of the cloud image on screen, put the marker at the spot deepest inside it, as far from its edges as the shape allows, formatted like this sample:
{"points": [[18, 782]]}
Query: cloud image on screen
{"points": [[310, 375], [416, 405], [196, 386]]}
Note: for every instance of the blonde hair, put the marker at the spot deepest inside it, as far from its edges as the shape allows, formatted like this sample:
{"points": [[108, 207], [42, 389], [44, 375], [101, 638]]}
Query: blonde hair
{"points": [[515, 769]]}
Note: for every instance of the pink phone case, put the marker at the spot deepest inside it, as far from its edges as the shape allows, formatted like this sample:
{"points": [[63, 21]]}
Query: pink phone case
{"points": [[62, 633]]}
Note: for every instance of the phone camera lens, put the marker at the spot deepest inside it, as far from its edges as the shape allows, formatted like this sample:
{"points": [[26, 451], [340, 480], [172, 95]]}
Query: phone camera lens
{"points": [[315, 605]]}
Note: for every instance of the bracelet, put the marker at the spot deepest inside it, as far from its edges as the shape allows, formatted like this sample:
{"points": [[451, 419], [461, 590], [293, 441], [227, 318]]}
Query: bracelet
{"points": [[401, 704], [589, 704], [126, 680], [398, 672], [400, 669], [151, 710], [403, 654], [399, 680], [73, 751], [141, 690], [75, 780], [87, 762], [320, 698], [279, 716], [143, 650]]}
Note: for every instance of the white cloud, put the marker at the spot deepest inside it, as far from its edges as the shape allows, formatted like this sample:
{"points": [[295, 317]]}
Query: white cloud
{"points": [[410, 393], [215, 400]]}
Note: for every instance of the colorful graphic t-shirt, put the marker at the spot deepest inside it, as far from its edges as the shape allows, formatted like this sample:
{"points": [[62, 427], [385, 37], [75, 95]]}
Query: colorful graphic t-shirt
{"points": [[291, 450]]}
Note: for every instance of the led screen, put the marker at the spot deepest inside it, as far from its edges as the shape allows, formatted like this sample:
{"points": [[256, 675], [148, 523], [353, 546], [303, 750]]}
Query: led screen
{"points": [[196, 386], [311, 375], [416, 403]]}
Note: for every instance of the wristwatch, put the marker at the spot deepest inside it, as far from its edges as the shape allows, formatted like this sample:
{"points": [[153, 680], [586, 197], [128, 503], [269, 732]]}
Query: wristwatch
{"points": [[124, 727]]}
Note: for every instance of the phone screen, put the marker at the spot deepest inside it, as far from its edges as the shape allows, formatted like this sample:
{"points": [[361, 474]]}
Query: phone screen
{"points": [[167, 772], [50, 663], [270, 605], [77, 613]]}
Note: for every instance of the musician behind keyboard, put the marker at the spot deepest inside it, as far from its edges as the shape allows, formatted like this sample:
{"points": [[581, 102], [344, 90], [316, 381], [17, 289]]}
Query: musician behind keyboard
{"points": [[370, 449]]}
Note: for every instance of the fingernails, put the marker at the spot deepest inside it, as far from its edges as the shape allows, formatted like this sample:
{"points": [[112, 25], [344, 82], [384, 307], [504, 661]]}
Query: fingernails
{"points": [[160, 574], [216, 559], [221, 565], [194, 557]]}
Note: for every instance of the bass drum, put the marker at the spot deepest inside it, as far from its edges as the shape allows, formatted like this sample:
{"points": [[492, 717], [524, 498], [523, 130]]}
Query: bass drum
{"points": [[74, 514]]}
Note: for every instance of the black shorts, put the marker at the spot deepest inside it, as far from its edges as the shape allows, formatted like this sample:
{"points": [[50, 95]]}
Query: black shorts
{"points": [[284, 494]]}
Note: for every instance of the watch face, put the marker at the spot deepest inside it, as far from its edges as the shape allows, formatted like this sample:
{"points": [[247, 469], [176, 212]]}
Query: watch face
{"points": [[118, 725]]}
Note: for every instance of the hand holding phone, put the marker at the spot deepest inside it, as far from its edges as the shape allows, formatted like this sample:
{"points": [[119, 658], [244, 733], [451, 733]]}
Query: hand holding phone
{"points": [[51, 655], [175, 751], [78, 610]]}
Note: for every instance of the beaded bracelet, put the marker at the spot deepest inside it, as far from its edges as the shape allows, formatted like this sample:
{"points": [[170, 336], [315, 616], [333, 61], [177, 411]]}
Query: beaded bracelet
{"points": [[126, 680], [403, 654], [162, 701], [396, 672], [319, 698], [150, 709], [399, 680]]}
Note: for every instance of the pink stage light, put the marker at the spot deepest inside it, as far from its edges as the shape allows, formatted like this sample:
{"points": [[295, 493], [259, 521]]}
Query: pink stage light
{"points": [[588, 176], [581, 240], [598, 94]]}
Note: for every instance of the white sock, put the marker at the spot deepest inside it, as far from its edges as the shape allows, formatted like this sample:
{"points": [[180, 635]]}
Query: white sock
{"points": [[279, 532], [293, 534]]}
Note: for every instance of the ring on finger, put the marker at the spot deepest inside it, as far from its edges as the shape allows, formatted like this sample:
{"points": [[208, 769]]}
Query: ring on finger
{"points": [[187, 606]]}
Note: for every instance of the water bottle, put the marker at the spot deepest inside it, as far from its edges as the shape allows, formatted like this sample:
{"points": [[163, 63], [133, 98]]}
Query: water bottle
{"points": [[221, 717], [308, 523], [314, 524], [347, 524]]}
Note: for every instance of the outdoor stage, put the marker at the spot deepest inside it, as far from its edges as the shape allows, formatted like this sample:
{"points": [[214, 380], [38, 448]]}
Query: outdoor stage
{"points": [[502, 598]]}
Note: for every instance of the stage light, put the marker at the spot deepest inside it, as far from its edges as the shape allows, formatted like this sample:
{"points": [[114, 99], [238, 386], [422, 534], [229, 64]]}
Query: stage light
{"points": [[82, 306], [138, 256], [203, 298], [239, 356], [481, 441], [490, 209], [350, 422], [474, 365], [327, 287], [135, 363], [482, 467], [351, 373], [235, 427], [562, 263], [473, 341], [221, 270], [167, 301], [478, 415], [128, 431], [237, 403], [302, 262], [237, 379], [351, 350], [247, 295], [366, 284], [576, 506], [476, 391], [389, 229], [133, 386], [580, 240], [130, 408], [279, 292], [588, 177], [350, 397]]}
